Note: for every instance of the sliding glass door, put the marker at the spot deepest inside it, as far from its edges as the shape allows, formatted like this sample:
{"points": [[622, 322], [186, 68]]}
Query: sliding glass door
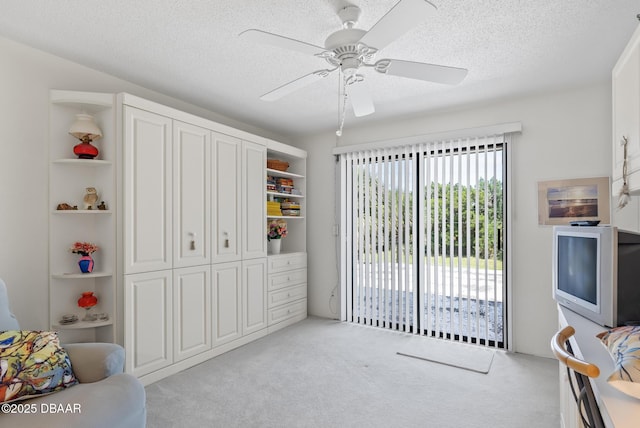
{"points": [[426, 229]]}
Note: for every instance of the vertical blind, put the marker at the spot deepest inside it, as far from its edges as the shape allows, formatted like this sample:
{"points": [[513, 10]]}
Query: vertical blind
{"points": [[424, 226]]}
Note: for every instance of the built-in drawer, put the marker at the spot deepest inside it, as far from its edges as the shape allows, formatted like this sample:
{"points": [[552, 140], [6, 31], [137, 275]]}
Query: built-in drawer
{"points": [[286, 279], [284, 262], [287, 295], [282, 313]]}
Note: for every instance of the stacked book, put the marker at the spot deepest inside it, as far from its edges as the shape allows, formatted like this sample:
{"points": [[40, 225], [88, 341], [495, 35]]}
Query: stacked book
{"points": [[273, 208], [284, 185], [271, 184], [290, 208]]}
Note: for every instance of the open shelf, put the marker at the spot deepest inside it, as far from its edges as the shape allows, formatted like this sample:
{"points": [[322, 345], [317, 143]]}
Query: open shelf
{"points": [[83, 324], [278, 173], [71, 212], [74, 275], [83, 162], [284, 195], [90, 102], [294, 177]]}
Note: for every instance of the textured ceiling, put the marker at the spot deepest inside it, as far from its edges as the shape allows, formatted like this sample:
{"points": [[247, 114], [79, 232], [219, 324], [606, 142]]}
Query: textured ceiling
{"points": [[191, 50]]}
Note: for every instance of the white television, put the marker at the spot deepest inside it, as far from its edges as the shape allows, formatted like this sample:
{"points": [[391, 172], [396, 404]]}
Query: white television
{"points": [[596, 273]]}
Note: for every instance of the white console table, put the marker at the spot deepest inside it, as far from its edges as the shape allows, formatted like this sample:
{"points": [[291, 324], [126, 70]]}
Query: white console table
{"points": [[618, 410]]}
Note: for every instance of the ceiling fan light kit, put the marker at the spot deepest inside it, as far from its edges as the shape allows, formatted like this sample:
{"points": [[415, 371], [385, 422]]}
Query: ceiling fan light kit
{"points": [[350, 49]]}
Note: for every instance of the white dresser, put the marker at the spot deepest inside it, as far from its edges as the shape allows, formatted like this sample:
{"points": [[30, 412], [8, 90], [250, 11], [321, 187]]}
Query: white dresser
{"points": [[286, 289]]}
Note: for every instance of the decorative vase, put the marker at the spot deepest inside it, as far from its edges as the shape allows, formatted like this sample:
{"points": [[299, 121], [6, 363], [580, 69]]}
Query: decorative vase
{"points": [[86, 263], [273, 246], [87, 301], [85, 150]]}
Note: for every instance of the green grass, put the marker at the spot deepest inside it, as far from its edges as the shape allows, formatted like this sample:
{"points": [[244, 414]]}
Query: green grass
{"points": [[471, 262]]}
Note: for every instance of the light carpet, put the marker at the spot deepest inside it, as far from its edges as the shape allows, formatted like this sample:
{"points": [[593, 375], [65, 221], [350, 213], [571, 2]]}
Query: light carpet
{"points": [[321, 373], [454, 354]]}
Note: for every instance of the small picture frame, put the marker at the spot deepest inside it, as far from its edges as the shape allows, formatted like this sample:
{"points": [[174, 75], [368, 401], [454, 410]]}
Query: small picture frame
{"points": [[582, 199]]}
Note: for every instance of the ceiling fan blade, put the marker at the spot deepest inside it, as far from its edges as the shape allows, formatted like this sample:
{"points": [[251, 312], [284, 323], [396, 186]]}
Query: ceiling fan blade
{"points": [[360, 97], [422, 71], [402, 17], [263, 37], [294, 85]]}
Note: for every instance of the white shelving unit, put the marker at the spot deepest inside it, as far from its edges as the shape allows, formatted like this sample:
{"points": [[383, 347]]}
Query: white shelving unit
{"points": [[287, 271], [296, 225], [68, 179], [298, 179]]}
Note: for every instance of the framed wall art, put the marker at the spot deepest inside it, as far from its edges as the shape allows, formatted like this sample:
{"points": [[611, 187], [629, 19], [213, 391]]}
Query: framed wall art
{"points": [[563, 201]]}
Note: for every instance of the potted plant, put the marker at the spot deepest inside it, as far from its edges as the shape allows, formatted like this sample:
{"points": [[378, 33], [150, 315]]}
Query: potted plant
{"points": [[277, 230], [85, 249]]}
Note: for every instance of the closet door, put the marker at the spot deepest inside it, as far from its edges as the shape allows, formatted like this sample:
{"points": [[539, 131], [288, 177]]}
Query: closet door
{"points": [[227, 302], [148, 321], [191, 311], [254, 204], [191, 195], [147, 191], [226, 236], [254, 295]]}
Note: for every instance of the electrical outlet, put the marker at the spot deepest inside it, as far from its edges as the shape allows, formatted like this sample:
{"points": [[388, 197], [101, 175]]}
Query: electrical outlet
{"points": [[336, 230]]}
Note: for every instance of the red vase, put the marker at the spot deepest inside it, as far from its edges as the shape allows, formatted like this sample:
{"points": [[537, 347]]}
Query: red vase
{"points": [[87, 300], [85, 150]]}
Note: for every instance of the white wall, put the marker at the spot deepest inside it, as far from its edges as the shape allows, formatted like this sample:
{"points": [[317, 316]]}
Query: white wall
{"points": [[566, 134], [26, 76]]}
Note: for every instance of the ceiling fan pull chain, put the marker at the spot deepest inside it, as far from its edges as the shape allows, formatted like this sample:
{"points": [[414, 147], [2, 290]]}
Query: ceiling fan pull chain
{"points": [[342, 110]]}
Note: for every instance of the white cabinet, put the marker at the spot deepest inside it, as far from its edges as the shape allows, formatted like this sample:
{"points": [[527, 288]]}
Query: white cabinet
{"points": [[69, 178], [569, 417], [147, 189], [148, 321], [191, 194], [193, 260], [254, 295], [287, 288], [226, 228], [191, 311], [254, 158], [239, 199], [226, 302], [167, 192], [626, 115]]}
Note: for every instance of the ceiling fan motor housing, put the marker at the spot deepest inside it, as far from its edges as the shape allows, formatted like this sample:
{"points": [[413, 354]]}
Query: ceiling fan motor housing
{"points": [[344, 38], [347, 50]]}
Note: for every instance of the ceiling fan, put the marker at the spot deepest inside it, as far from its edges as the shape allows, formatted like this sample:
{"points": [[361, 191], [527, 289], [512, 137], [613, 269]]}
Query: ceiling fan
{"points": [[351, 49]]}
